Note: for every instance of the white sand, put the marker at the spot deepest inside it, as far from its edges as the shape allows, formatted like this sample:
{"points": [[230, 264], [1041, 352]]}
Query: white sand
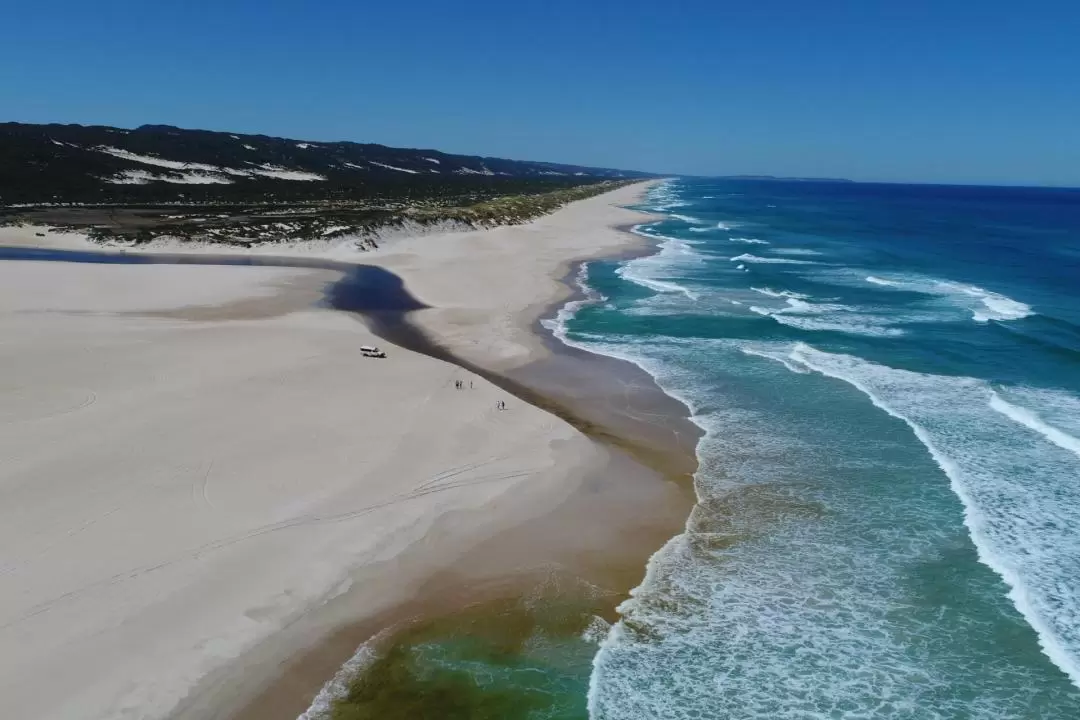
{"points": [[488, 288], [43, 237], [176, 492]]}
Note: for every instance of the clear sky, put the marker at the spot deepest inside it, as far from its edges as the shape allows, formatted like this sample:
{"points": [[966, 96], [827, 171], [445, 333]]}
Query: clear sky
{"points": [[898, 90]]}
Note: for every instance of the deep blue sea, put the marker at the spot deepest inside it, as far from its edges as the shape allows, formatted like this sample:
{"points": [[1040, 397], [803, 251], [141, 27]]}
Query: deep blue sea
{"points": [[888, 523]]}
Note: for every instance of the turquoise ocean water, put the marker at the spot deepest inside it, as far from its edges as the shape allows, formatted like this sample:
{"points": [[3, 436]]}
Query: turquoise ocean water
{"points": [[888, 522]]}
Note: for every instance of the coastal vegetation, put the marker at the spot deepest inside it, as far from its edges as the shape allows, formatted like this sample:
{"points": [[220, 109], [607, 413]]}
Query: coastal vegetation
{"points": [[131, 187], [520, 207], [362, 223]]}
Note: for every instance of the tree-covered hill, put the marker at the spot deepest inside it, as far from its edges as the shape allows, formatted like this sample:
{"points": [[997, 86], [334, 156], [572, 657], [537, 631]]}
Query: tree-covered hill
{"points": [[58, 164]]}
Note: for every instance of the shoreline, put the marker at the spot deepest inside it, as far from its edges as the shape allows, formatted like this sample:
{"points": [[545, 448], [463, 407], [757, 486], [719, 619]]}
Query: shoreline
{"points": [[643, 531], [205, 701], [660, 512]]}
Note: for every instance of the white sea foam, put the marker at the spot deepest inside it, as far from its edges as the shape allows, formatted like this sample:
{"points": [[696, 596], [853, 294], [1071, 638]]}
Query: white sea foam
{"points": [[780, 356], [854, 325], [995, 306], [660, 272], [657, 272], [829, 317], [1014, 478], [664, 197], [747, 257], [748, 241], [882, 281], [648, 230], [780, 293], [710, 228], [322, 706], [641, 274], [792, 621], [800, 307], [558, 324], [795, 251], [686, 219], [1033, 420], [711, 630], [596, 630], [984, 305]]}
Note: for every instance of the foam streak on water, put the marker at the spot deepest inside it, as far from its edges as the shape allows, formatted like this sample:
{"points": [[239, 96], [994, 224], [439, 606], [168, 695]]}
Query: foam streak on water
{"points": [[1031, 419], [322, 706], [747, 257], [1021, 525], [589, 296], [984, 305], [654, 271], [796, 623]]}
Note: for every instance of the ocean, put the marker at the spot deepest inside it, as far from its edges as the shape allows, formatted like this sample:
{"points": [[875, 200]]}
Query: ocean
{"points": [[888, 515]]}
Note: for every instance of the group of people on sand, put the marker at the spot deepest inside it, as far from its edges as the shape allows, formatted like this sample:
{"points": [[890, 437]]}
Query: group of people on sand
{"points": [[460, 385]]}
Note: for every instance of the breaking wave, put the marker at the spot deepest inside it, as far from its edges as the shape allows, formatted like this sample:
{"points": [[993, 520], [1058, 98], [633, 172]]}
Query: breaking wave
{"points": [[1018, 499], [984, 305], [747, 257]]}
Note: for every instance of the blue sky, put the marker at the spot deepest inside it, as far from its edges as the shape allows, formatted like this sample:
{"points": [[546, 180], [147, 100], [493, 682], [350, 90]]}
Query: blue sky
{"points": [[914, 90]]}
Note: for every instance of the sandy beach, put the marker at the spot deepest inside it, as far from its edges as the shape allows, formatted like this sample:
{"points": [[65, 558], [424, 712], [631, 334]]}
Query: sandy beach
{"points": [[203, 476]]}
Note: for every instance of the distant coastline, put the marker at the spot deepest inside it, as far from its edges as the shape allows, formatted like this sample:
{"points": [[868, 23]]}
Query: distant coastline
{"points": [[775, 178]]}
